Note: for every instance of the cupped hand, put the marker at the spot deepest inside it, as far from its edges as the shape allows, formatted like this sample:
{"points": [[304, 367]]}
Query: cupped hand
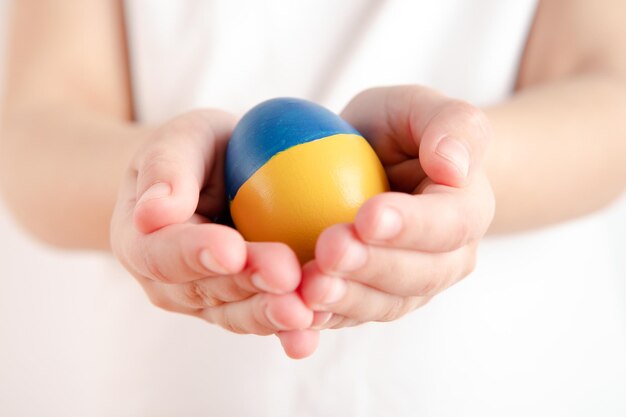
{"points": [[407, 245], [161, 231]]}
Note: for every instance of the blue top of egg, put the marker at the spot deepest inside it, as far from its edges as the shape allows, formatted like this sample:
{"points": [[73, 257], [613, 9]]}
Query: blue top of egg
{"points": [[274, 126]]}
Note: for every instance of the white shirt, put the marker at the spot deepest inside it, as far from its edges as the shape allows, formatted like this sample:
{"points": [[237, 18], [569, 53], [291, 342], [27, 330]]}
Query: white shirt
{"points": [[234, 54]]}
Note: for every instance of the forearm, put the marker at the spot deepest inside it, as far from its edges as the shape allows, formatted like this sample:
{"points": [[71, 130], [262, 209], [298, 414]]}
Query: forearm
{"points": [[559, 151], [60, 170], [66, 134]]}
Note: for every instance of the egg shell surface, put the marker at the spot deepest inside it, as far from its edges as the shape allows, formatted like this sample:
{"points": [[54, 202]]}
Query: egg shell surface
{"points": [[293, 168]]}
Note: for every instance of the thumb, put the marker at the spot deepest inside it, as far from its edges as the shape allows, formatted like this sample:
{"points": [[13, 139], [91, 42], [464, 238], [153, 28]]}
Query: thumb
{"points": [[453, 143], [410, 121], [172, 169]]}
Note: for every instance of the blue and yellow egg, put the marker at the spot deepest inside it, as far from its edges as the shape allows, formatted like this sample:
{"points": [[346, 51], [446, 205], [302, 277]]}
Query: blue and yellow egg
{"points": [[293, 168]]}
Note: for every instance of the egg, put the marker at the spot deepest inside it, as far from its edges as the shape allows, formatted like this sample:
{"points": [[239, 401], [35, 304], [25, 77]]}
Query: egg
{"points": [[293, 168]]}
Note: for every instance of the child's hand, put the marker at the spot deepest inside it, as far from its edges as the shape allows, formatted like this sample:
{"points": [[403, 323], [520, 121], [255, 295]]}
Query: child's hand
{"points": [[161, 233], [406, 246]]}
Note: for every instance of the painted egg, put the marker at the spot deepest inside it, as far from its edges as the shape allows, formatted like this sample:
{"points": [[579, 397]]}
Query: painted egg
{"points": [[293, 168]]}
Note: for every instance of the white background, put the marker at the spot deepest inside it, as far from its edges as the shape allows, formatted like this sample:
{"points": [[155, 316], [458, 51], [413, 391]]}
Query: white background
{"points": [[46, 326]]}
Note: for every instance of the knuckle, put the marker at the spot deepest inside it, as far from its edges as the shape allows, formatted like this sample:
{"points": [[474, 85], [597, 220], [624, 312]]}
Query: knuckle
{"points": [[345, 322], [154, 269], [395, 309], [465, 110], [472, 115], [462, 234], [199, 296], [334, 321], [474, 222], [226, 322], [230, 292], [412, 94], [365, 94], [153, 158], [427, 287], [460, 229], [122, 256], [197, 126], [193, 123], [469, 265]]}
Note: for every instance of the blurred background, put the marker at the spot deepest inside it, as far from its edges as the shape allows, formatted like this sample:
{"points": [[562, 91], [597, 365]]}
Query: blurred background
{"points": [[573, 275]]}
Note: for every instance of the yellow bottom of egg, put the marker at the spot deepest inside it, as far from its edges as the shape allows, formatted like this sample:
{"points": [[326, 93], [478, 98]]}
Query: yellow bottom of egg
{"points": [[303, 190]]}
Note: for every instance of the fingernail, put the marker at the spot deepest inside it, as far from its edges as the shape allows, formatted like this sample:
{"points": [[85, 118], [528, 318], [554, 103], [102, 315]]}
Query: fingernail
{"points": [[258, 282], [456, 152], [337, 288], [320, 318], [272, 320], [209, 262], [388, 225], [158, 190], [353, 258]]}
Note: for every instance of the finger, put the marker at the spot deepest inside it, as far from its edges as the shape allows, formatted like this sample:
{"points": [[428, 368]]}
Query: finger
{"points": [[345, 322], [353, 300], [265, 260], [453, 143], [261, 314], [320, 319], [340, 253], [336, 322], [207, 292], [186, 252], [299, 344], [272, 267], [440, 219], [172, 169], [449, 136], [161, 298]]}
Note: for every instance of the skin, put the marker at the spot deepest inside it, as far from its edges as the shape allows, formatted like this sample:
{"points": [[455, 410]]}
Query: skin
{"points": [[147, 192]]}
